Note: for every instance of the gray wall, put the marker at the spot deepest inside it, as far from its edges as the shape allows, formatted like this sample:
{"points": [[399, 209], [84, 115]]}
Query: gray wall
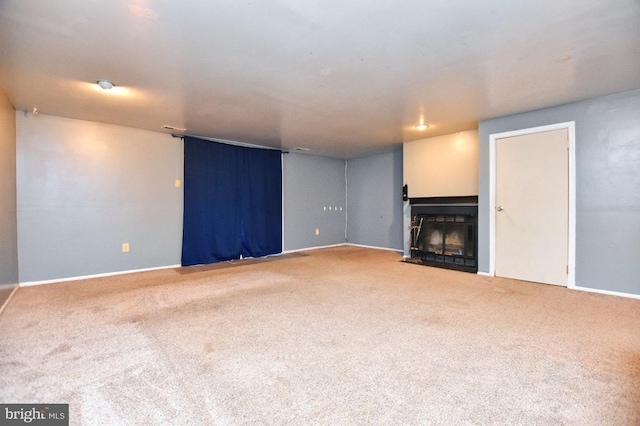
{"points": [[8, 227], [311, 183], [374, 200], [85, 188], [607, 187]]}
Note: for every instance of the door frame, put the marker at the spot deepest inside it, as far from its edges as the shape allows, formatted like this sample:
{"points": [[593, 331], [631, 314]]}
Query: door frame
{"points": [[570, 126]]}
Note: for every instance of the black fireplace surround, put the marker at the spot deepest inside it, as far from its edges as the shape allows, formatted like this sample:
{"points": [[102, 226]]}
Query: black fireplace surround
{"points": [[444, 232]]}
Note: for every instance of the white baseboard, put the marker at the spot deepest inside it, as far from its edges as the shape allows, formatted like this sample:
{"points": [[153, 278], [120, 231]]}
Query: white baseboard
{"points": [[86, 277], [587, 289], [375, 247], [312, 248], [6, 302], [607, 292]]}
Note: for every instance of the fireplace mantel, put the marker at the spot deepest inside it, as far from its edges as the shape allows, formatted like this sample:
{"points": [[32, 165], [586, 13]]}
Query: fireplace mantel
{"points": [[462, 200]]}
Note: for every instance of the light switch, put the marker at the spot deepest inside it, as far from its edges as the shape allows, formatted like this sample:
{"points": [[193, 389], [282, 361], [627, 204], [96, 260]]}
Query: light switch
{"points": [[317, 231], [178, 184], [125, 247]]}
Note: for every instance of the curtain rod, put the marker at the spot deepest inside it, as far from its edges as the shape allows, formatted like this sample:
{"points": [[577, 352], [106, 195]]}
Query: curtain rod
{"points": [[228, 142]]}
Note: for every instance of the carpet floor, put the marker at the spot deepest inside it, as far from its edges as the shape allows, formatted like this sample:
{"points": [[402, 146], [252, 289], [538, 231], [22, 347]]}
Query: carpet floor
{"points": [[343, 335]]}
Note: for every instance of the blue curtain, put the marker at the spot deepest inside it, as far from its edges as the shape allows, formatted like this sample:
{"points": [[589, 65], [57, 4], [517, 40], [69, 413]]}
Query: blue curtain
{"points": [[261, 202], [232, 202]]}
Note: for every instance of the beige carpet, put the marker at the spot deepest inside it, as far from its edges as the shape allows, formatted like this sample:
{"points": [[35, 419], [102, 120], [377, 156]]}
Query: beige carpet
{"points": [[5, 294], [341, 336]]}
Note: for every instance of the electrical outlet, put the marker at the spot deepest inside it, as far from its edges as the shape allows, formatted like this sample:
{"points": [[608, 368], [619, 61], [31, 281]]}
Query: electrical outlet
{"points": [[125, 247], [317, 231]]}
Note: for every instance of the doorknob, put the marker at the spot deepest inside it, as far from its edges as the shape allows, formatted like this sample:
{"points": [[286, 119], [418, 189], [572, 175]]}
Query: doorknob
{"points": [[500, 208]]}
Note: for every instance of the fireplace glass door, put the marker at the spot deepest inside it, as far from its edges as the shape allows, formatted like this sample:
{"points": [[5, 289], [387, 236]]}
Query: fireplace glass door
{"points": [[454, 240], [433, 238], [444, 239]]}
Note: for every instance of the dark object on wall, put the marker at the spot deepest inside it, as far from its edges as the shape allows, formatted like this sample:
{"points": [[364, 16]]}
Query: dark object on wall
{"points": [[232, 202], [405, 193]]}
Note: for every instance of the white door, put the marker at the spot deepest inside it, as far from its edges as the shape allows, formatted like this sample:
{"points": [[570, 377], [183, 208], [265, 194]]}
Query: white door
{"points": [[532, 203]]}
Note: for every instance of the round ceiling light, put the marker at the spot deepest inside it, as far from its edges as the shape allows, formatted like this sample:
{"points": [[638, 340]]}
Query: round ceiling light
{"points": [[105, 84], [421, 125]]}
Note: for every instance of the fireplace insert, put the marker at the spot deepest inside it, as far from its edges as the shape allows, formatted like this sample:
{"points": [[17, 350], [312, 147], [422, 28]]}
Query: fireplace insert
{"points": [[444, 232]]}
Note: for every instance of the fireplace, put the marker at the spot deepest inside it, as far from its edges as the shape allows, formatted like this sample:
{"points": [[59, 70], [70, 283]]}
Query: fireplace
{"points": [[444, 232]]}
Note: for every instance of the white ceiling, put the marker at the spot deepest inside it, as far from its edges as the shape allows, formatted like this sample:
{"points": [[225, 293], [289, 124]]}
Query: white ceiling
{"points": [[341, 77]]}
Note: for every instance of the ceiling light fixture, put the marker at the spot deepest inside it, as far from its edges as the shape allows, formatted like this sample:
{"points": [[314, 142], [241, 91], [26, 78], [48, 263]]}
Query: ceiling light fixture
{"points": [[105, 84], [422, 126]]}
